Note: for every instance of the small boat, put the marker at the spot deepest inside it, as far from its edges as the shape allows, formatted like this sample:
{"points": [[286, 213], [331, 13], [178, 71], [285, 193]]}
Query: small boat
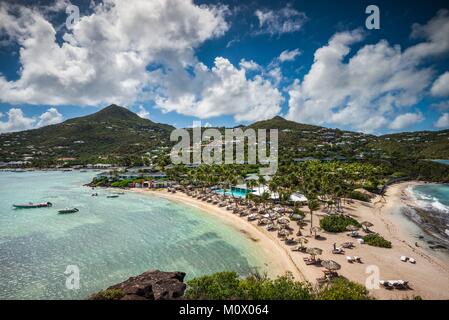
{"points": [[68, 210], [94, 194], [30, 205], [112, 196]]}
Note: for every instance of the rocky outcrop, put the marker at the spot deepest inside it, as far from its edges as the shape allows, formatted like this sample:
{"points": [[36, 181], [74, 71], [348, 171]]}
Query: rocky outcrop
{"points": [[150, 285]]}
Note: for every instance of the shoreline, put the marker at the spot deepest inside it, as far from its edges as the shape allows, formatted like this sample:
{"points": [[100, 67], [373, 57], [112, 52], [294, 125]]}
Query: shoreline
{"points": [[279, 261], [429, 278]]}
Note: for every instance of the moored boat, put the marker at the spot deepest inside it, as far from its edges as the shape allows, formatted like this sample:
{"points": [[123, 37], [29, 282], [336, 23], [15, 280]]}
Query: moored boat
{"points": [[30, 205], [68, 210], [112, 196]]}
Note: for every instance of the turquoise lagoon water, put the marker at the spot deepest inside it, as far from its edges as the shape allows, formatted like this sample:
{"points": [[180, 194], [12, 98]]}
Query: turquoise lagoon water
{"points": [[442, 161], [109, 239]]}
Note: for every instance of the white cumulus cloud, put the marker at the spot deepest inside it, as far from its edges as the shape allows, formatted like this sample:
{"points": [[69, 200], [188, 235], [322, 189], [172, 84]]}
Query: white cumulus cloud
{"points": [[18, 121], [367, 89], [287, 55], [440, 87], [406, 120], [277, 22], [223, 89], [143, 113], [104, 59], [443, 121]]}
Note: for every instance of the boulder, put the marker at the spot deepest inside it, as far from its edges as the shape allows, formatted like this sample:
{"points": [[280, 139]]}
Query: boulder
{"points": [[150, 285]]}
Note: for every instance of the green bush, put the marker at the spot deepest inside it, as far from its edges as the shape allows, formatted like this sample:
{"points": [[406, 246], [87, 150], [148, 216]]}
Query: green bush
{"points": [[109, 294], [337, 223], [121, 183], [343, 289], [376, 240], [218, 286], [228, 285]]}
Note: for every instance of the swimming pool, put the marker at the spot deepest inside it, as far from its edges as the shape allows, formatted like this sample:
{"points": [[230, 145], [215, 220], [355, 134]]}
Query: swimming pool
{"points": [[239, 193]]}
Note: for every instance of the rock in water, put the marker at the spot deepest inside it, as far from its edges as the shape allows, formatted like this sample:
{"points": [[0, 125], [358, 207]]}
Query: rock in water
{"points": [[150, 285]]}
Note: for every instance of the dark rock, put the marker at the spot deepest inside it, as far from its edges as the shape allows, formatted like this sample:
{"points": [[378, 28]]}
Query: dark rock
{"points": [[150, 285]]}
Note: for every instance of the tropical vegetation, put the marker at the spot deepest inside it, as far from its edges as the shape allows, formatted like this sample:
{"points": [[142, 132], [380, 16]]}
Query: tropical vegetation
{"points": [[228, 285]]}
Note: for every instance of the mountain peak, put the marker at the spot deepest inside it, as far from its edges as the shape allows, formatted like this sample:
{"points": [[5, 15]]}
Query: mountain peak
{"points": [[279, 118], [114, 112]]}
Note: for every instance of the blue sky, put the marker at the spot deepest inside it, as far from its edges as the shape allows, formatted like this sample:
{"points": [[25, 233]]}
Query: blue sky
{"points": [[222, 62]]}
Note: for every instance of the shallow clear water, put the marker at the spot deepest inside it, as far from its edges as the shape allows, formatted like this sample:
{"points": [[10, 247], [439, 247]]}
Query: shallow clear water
{"points": [[109, 239]]}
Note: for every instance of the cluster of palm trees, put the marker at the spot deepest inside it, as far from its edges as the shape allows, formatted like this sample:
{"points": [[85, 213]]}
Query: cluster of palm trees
{"points": [[322, 183]]}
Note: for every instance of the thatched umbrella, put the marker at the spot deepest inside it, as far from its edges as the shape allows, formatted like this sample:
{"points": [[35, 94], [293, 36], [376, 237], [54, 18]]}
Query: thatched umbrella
{"points": [[283, 221], [264, 221], [315, 230], [331, 265], [302, 241], [283, 233], [352, 227], [367, 225], [314, 252]]}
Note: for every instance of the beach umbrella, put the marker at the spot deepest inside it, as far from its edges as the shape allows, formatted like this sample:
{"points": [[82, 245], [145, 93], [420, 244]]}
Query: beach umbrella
{"points": [[315, 230], [302, 241], [314, 251], [331, 265], [352, 227], [283, 221], [284, 233]]}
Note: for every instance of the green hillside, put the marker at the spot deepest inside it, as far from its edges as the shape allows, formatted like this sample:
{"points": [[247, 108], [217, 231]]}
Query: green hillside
{"points": [[112, 134]]}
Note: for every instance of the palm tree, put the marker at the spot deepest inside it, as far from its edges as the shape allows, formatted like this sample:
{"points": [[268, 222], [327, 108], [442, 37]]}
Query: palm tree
{"points": [[313, 205]]}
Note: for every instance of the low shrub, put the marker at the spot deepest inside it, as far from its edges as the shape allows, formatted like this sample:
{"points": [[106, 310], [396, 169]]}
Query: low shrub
{"points": [[343, 289], [337, 223], [376, 240]]}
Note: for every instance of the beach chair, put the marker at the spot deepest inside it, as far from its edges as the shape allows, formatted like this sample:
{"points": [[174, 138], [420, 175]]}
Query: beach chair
{"points": [[338, 251], [386, 284], [348, 245]]}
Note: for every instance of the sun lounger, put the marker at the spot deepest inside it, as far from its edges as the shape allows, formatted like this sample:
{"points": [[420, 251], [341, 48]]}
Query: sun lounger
{"points": [[412, 260], [349, 259], [348, 245], [338, 251], [310, 261], [404, 258], [386, 284], [357, 259]]}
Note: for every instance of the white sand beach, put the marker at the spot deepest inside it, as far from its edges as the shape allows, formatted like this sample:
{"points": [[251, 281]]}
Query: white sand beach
{"points": [[428, 278]]}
